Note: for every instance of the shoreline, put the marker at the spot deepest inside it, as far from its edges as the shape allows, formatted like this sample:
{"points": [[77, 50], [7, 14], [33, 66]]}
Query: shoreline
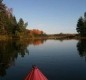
{"points": [[10, 37]]}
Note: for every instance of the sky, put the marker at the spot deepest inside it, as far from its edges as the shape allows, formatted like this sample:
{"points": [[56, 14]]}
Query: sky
{"points": [[51, 16]]}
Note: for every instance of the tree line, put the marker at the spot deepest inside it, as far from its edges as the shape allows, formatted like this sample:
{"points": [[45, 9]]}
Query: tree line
{"points": [[10, 26], [8, 23], [81, 26]]}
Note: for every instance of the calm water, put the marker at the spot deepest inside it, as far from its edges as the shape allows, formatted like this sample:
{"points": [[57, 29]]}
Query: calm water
{"points": [[57, 59]]}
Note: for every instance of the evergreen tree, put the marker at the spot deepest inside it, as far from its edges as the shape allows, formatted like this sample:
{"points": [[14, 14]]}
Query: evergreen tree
{"points": [[8, 22], [21, 25], [2, 17], [85, 21], [81, 25]]}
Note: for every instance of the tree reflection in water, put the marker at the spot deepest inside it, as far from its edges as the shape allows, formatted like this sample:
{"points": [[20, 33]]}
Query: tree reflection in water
{"points": [[9, 52], [81, 47]]}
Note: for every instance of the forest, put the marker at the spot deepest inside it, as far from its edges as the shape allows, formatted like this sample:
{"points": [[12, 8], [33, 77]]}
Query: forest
{"points": [[11, 28]]}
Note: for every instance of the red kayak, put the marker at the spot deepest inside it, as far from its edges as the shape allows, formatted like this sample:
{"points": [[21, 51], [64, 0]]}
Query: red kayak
{"points": [[35, 74]]}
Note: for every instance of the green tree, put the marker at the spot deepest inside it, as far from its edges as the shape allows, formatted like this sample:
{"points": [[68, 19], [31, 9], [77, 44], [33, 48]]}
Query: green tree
{"points": [[21, 28], [6, 21], [81, 25], [85, 20], [21, 25], [14, 25], [2, 21], [9, 24]]}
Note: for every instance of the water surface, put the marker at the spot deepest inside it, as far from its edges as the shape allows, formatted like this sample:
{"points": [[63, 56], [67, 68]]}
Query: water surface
{"points": [[57, 59]]}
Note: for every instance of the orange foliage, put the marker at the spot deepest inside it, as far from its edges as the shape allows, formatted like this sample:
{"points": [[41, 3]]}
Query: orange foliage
{"points": [[35, 31]]}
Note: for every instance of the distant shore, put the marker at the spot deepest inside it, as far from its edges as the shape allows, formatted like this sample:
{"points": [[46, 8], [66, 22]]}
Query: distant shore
{"points": [[53, 36]]}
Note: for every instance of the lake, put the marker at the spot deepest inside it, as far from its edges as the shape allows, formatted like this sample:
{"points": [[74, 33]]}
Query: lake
{"points": [[57, 59]]}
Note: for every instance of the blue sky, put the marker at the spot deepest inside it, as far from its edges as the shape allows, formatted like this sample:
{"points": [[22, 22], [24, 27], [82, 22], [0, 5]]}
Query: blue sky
{"points": [[51, 16]]}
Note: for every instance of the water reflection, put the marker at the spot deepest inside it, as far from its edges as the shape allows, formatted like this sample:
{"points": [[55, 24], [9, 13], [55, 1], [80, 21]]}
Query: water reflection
{"points": [[38, 42], [61, 57], [9, 52], [81, 47]]}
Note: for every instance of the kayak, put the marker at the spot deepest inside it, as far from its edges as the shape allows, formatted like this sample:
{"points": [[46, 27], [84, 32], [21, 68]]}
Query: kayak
{"points": [[35, 74]]}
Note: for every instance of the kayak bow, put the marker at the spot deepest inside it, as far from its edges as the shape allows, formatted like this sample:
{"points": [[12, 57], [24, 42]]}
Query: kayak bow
{"points": [[35, 74]]}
